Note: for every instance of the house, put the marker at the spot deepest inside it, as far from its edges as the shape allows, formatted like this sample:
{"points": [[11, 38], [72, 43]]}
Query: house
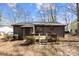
{"points": [[25, 29]]}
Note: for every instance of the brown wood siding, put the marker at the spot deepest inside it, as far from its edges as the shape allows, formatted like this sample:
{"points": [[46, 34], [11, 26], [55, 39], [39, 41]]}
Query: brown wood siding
{"points": [[59, 30], [28, 31], [18, 30]]}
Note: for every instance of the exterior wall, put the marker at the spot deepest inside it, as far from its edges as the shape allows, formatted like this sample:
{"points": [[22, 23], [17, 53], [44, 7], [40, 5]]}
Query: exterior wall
{"points": [[22, 31], [27, 31], [18, 30], [59, 30], [39, 29]]}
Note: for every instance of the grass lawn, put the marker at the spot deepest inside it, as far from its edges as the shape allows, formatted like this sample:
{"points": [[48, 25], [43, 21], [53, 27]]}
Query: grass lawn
{"points": [[62, 48]]}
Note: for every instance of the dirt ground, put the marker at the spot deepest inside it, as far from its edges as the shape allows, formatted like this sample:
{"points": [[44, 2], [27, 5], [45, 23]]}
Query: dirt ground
{"points": [[68, 46]]}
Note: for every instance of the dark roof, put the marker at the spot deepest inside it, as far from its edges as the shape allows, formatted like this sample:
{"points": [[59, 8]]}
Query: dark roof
{"points": [[27, 25], [47, 24], [23, 24]]}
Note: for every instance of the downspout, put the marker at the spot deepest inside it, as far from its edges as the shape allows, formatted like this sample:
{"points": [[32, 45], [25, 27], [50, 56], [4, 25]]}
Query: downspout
{"points": [[34, 29]]}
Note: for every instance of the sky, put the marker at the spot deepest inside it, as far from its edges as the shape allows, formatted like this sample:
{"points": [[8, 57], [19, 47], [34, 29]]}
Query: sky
{"points": [[33, 7]]}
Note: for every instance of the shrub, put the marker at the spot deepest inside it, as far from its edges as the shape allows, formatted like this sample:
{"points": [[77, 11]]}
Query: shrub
{"points": [[8, 37], [29, 38], [15, 36]]}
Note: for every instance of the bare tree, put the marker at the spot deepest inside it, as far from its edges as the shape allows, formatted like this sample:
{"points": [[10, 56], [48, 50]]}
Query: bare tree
{"points": [[20, 15], [23, 15], [77, 4], [74, 8], [66, 17], [40, 16], [69, 11], [71, 7], [48, 12], [1, 16], [53, 12]]}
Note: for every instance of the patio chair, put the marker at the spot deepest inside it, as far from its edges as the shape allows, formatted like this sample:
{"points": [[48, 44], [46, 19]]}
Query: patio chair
{"points": [[52, 37]]}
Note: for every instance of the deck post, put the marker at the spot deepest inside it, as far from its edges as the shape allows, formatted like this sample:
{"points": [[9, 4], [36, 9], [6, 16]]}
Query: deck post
{"points": [[39, 38], [34, 29], [23, 32], [46, 35]]}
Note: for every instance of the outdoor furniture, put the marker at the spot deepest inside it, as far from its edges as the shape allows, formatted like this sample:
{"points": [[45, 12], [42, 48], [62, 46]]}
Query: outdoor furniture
{"points": [[52, 37], [49, 37], [39, 38]]}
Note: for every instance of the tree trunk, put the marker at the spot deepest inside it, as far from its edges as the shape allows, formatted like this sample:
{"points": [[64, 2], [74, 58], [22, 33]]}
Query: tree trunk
{"points": [[77, 17]]}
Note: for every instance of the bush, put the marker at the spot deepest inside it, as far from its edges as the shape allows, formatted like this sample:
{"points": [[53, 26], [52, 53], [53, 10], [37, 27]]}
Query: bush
{"points": [[15, 36], [30, 38], [8, 37]]}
